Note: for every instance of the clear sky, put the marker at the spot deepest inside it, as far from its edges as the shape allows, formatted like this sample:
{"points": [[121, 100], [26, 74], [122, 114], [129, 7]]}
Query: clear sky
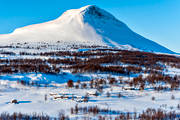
{"points": [[158, 20]]}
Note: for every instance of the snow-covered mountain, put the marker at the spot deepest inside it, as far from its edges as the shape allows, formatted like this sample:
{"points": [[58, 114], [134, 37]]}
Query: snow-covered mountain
{"points": [[88, 25]]}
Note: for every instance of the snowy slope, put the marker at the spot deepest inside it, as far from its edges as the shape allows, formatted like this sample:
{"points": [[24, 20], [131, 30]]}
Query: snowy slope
{"points": [[88, 25]]}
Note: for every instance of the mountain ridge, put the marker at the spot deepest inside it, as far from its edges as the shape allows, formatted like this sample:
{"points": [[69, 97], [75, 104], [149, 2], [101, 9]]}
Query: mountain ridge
{"points": [[90, 24]]}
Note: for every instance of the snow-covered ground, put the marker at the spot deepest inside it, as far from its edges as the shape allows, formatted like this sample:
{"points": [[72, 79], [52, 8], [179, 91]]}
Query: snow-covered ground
{"points": [[32, 99]]}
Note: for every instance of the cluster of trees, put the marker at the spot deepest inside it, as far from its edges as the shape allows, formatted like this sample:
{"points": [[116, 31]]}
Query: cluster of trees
{"points": [[112, 56], [89, 53], [129, 57], [34, 116], [66, 61], [153, 79], [148, 114], [77, 85], [81, 68], [94, 67], [92, 110], [7, 53], [44, 45], [22, 61], [101, 114], [32, 83], [153, 114], [140, 82], [100, 61], [28, 68], [93, 83], [8, 46], [152, 62]]}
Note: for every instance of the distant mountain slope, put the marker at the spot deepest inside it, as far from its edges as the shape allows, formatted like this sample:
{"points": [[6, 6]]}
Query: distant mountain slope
{"points": [[88, 25]]}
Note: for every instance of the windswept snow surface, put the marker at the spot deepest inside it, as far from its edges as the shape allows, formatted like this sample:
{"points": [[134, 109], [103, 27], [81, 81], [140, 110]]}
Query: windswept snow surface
{"points": [[88, 25]]}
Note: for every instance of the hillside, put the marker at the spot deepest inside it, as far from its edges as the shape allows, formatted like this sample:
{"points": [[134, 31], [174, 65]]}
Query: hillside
{"points": [[90, 26], [91, 84]]}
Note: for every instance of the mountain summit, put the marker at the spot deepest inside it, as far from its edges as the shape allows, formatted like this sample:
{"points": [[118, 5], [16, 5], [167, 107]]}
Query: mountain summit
{"points": [[89, 25]]}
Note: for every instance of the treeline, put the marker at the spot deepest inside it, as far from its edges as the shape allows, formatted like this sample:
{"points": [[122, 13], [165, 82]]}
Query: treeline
{"points": [[148, 60], [103, 114], [28, 68], [154, 79], [94, 112], [67, 61], [158, 82], [101, 60], [32, 83], [44, 45], [71, 53], [77, 65], [7, 53], [34, 116], [142, 58], [98, 83], [131, 57], [50, 66], [90, 67]]}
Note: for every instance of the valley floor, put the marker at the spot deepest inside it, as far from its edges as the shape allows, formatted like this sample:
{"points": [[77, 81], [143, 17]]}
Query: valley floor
{"points": [[69, 88], [32, 99]]}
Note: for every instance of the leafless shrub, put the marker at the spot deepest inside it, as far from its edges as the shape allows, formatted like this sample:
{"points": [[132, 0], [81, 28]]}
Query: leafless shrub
{"points": [[153, 98], [70, 83]]}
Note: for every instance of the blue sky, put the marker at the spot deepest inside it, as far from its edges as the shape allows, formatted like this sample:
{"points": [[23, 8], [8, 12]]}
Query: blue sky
{"points": [[158, 20]]}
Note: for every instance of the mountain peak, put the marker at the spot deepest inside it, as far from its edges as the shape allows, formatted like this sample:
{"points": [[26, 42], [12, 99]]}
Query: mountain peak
{"points": [[89, 25], [87, 7], [88, 14], [95, 11]]}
